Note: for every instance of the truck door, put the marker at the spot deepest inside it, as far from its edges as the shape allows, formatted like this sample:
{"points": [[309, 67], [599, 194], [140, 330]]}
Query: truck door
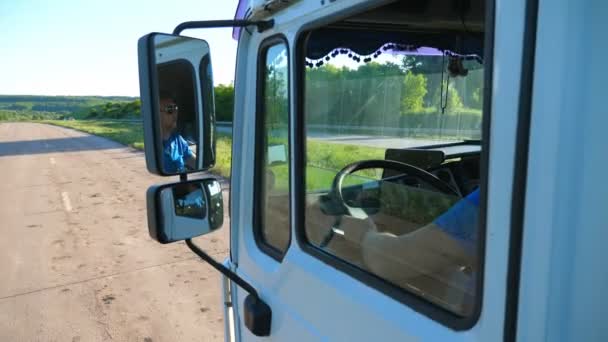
{"points": [[373, 168]]}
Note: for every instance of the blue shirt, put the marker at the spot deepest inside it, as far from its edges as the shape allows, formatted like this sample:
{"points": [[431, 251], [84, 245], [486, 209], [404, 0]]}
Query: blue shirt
{"points": [[175, 153], [461, 221]]}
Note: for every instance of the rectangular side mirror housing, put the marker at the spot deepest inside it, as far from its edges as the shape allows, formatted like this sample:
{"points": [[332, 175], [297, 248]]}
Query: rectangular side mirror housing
{"points": [[180, 211], [177, 103]]}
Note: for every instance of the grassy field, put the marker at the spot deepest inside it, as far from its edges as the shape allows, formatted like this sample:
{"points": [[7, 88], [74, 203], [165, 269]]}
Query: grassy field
{"points": [[323, 159], [131, 134], [55, 106], [26, 115], [127, 133]]}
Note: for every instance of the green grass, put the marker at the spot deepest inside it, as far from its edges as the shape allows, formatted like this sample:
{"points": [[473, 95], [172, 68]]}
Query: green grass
{"points": [[223, 155], [323, 159], [131, 134], [74, 106], [26, 115], [335, 156]]}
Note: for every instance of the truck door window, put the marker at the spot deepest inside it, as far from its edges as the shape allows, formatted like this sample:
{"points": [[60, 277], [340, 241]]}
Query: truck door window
{"points": [[392, 155], [272, 172]]}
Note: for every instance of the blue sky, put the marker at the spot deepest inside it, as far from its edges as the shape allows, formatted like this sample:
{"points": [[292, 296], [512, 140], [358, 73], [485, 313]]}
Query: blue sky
{"points": [[73, 47]]}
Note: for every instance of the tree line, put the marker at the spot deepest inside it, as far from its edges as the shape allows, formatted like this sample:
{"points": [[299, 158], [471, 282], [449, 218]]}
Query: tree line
{"points": [[34, 107], [224, 106], [406, 97]]}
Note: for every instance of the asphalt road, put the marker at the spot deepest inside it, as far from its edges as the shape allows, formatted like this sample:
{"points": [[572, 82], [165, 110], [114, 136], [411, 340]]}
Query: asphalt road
{"points": [[75, 257]]}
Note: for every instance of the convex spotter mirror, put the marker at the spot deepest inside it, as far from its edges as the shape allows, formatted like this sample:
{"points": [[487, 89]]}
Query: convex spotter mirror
{"points": [[180, 211], [177, 104]]}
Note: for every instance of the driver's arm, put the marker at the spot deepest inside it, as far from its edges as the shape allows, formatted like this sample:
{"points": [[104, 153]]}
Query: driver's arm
{"points": [[189, 155], [447, 243], [425, 251], [191, 161]]}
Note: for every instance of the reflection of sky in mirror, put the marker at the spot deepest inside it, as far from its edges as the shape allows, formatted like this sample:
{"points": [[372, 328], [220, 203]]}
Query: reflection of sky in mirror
{"points": [[214, 188], [170, 48]]}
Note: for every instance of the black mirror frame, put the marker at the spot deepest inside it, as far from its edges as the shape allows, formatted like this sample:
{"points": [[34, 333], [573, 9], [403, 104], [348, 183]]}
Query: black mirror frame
{"points": [[155, 213], [149, 94]]}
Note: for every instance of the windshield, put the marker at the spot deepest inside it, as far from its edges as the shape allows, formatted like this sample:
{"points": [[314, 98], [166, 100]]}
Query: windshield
{"points": [[394, 99], [393, 140]]}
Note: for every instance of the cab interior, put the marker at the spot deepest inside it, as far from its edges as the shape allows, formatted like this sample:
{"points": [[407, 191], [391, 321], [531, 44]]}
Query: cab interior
{"points": [[400, 83]]}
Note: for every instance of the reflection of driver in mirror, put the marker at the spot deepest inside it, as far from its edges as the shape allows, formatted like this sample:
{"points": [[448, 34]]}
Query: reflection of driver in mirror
{"points": [[189, 200], [177, 156]]}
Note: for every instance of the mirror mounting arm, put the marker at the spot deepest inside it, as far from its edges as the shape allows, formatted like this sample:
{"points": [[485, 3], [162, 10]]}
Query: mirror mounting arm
{"points": [[257, 314], [223, 269], [262, 25]]}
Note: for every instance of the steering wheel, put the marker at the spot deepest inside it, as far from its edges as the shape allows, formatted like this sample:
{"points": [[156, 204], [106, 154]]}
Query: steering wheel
{"points": [[359, 213]]}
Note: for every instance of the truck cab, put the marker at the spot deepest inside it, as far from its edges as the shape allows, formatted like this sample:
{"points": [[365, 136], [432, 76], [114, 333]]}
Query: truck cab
{"points": [[401, 170]]}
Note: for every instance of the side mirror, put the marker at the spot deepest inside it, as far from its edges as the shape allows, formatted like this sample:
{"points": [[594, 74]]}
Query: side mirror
{"points": [[179, 211], [176, 88]]}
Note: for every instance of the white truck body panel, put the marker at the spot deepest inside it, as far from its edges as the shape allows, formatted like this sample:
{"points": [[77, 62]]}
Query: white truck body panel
{"points": [[310, 299], [562, 277]]}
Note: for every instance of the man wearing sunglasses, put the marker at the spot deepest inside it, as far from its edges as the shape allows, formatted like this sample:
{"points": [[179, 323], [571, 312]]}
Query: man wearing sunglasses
{"points": [[177, 156]]}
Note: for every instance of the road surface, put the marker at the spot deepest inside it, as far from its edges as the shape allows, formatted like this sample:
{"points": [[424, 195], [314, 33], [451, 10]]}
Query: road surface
{"points": [[75, 257]]}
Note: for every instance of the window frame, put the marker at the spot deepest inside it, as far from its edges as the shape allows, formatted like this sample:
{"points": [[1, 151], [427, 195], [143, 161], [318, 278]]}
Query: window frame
{"points": [[209, 157], [410, 299], [260, 139]]}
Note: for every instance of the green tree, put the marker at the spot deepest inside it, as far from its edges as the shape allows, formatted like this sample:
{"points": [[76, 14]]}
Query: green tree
{"points": [[414, 90], [16, 106], [92, 113], [374, 69], [477, 98], [275, 89], [132, 108], [224, 102], [411, 63], [322, 85], [454, 102]]}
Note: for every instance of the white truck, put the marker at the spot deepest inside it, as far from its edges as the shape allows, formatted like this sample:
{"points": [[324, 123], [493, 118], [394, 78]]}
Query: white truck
{"points": [[401, 170]]}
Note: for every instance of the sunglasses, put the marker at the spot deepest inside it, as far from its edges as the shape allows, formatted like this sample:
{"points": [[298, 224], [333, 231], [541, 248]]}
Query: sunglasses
{"points": [[170, 109]]}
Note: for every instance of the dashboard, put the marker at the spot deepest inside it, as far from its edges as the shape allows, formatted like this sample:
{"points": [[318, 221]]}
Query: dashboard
{"points": [[456, 164]]}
